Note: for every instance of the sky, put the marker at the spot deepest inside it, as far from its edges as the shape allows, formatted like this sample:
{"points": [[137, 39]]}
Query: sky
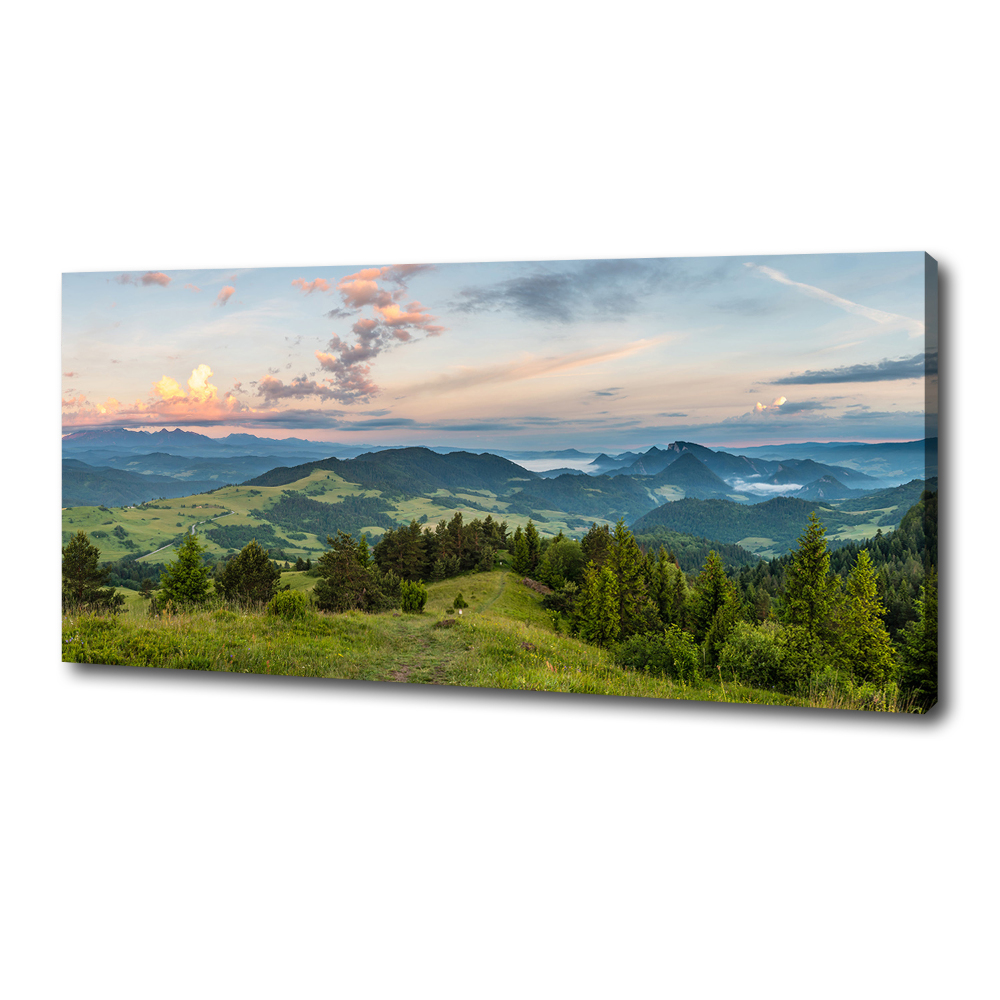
{"points": [[598, 355]]}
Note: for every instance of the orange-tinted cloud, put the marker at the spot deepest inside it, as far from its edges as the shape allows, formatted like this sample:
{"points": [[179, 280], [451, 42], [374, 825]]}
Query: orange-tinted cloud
{"points": [[155, 278], [70, 374], [193, 288], [392, 323], [224, 295], [308, 287]]}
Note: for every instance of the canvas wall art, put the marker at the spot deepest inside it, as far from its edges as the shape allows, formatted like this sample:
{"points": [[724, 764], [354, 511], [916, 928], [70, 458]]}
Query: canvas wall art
{"points": [[706, 478]]}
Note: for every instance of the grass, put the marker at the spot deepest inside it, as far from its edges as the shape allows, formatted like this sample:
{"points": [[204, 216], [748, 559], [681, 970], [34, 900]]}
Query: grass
{"points": [[504, 639]]}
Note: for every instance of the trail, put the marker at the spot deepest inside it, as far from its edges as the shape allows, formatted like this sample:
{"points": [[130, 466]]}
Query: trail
{"points": [[193, 526], [427, 661]]}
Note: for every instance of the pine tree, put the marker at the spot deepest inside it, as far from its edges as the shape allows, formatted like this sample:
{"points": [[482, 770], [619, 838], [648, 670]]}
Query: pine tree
{"points": [[597, 606], [534, 543], [344, 582], [522, 556], [715, 606], [249, 577], [185, 581], [918, 679], [864, 641], [83, 579], [810, 598], [636, 611]]}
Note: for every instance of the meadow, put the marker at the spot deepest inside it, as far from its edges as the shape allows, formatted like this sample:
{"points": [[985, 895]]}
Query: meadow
{"points": [[504, 639]]}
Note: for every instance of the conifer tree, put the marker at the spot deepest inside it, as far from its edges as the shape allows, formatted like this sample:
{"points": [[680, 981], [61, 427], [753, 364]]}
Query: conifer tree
{"points": [[715, 606], [522, 556], [534, 542], [597, 606], [185, 581], [810, 598], [864, 642], [83, 579], [636, 611], [249, 577], [918, 678]]}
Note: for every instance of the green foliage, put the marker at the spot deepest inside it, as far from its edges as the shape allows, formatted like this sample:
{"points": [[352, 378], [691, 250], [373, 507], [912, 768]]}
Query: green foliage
{"points": [[83, 579], [597, 615], [810, 597], [863, 641], [636, 611], [237, 536], [297, 512], [521, 553], [672, 653], [248, 578], [413, 597], [756, 655], [185, 581], [350, 581], [534, 543], [562, 563], [290, 605], [714, 608], [918, 679], [460, 601]]}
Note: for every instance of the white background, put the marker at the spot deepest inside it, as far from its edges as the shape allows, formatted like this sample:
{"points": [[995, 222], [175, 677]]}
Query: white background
{"points": [[175, 835]]}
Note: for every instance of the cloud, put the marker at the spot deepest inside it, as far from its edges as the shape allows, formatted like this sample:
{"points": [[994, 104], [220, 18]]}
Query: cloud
{"points": [[527, 368], [155, 278], [70, 374], [914, 327], [781, 405], [613, 391], [382, 289], [597, 289], [169, 402], [272, 389], [224, 295], [308, 287], [193, 288], [882, 371]]}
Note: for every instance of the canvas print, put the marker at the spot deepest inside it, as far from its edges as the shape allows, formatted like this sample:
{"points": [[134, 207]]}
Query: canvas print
{"points": [[702, 478]]}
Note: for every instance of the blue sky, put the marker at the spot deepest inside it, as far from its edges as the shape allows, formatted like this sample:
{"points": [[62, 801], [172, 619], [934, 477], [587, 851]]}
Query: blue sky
{"points": [[598, 355]]}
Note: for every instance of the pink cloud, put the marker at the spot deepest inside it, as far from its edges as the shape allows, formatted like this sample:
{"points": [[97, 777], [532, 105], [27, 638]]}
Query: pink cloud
{"points": [[155, 278], [223, 297], [308, 287], [193, 288]]}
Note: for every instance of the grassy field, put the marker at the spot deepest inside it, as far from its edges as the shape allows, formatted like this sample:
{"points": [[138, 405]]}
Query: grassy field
{"points": [[151, 527], [504, 639]]}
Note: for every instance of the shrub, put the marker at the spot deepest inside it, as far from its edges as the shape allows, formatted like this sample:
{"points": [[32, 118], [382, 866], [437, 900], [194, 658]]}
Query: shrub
{"points": [[288, 604], [672, 653], [460, 601], [757, 655], [413, 597]]}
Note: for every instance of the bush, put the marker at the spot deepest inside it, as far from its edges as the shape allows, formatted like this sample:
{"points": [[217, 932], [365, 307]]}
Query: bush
{"points": [[288, 604], [460, 601], [757, 655], [672, 653], [413, 597]]}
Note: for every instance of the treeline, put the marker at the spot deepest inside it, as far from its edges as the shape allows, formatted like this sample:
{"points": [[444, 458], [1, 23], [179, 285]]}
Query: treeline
{"points": [[422, 553], [901, 558], [691, 551], [296, 512], [823, 628]]}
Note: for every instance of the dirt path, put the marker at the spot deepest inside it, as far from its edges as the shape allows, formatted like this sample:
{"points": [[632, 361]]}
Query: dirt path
{"points": [[431, 650]]}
